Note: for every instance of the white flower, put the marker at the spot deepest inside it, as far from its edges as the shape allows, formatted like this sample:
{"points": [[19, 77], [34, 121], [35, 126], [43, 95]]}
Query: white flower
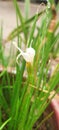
{"points": [[28, 55]]}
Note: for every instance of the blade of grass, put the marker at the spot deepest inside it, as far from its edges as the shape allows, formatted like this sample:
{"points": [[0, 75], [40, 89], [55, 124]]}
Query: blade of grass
{"points": [[2, 73], [18, 12], [25, 104], [33, 29], [27, 8], [5, 123], [3, 102], [0, 116], [1, 48], [14, 102], [27, 4]]}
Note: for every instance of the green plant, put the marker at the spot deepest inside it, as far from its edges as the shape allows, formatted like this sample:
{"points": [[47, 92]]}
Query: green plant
{"points": [[28, 99]]}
